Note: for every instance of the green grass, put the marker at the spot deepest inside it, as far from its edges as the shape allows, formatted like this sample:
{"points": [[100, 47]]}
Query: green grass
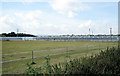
{"points": [[74, 49]]}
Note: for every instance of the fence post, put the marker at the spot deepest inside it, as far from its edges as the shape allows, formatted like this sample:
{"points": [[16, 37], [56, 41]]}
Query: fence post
{"points": [[33, 58], [99, 46], [87, 47], [67, 52]]}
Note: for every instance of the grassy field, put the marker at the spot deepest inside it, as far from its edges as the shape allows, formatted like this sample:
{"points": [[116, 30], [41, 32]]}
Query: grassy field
{"points": [[16, 54]]}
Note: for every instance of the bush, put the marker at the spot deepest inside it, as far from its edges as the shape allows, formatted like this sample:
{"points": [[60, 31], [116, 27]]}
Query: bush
{"points": [[106, 62]]}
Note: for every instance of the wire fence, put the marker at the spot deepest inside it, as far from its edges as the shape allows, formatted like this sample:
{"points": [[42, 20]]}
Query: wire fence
{"points": [[67, 52]]}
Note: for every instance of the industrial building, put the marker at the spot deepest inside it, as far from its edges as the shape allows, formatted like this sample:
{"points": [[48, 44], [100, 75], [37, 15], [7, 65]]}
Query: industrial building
{"points": [[66, 38]]}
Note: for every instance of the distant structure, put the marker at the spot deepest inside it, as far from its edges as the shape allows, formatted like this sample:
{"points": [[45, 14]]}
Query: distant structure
{"points": [[17, 32], [66, 38], [92, 32], [89, 31], [110, 31]]}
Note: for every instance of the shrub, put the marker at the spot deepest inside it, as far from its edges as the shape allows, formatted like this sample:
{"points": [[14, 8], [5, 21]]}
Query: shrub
{"points": [[106, 62]]}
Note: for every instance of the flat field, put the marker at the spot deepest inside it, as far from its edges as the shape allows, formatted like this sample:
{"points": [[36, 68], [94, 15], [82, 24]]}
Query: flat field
{"points": [[16, 54]]}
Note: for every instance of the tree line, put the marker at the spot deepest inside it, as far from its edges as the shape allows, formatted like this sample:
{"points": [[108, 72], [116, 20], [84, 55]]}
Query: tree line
{"points": [[13, 34]]}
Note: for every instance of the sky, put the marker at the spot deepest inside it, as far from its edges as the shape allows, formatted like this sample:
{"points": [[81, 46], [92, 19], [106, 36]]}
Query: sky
{"points": [[58, 17]]}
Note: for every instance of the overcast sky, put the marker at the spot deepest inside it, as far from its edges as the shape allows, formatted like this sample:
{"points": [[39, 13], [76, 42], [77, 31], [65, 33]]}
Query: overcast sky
{"points": [[59, 17]]}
